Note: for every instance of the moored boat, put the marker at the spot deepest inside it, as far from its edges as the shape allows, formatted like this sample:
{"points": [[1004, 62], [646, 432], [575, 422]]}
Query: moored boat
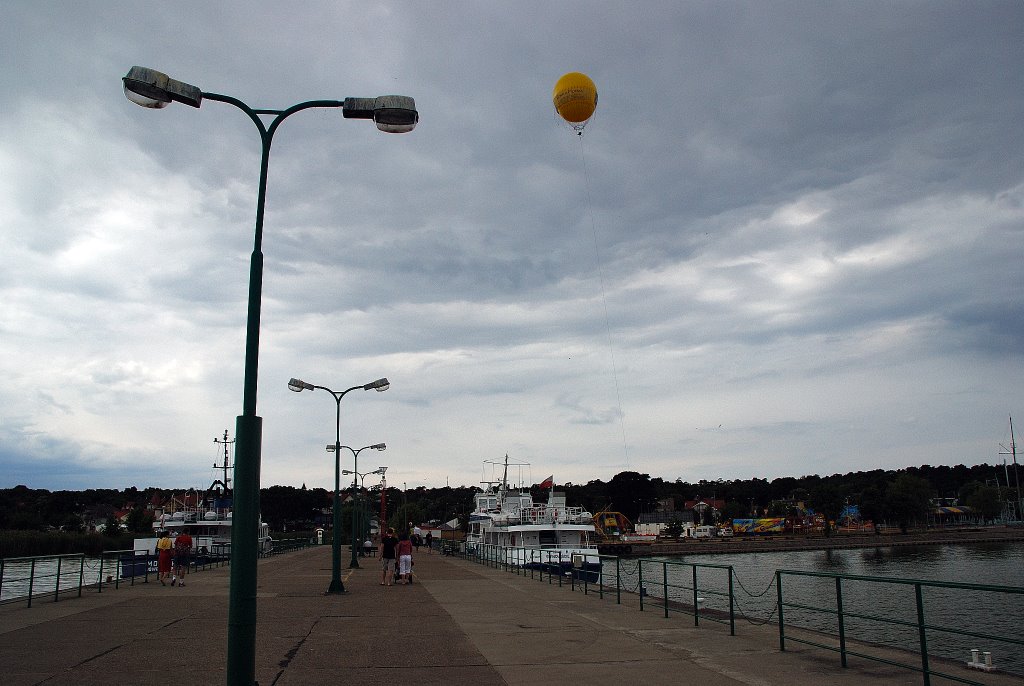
{"points": [[205, 517], [506, 525]]}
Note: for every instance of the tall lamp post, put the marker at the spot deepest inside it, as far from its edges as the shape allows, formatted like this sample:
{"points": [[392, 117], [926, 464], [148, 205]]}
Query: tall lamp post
{"points": [[355, 484], [297, 385], [392, 114], [358, 497]]}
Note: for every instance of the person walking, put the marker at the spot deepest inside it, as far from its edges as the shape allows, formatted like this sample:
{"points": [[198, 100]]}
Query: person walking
{"points": [[404, 550], [164, 549], [182, 557], [388, 543], [430, 543]]}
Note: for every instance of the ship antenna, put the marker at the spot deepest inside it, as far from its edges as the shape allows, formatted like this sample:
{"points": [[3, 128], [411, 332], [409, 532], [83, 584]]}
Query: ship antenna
{"points": [[227, 462], [1013, 451]]}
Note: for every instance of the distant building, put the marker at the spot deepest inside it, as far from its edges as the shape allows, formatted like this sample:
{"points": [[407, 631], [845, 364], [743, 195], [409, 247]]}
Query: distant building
{"points": [[705, 509], [654, 523]]}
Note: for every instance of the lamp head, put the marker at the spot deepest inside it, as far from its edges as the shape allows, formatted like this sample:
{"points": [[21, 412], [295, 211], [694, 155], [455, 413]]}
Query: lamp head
{"points": [[391, 113], [298, 385], [380, 385], [347, 471], [379, 446], [151, 88]]}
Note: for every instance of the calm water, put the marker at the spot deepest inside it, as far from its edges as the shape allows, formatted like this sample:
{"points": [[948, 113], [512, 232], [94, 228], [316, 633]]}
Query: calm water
{"points": [[999, 564]]}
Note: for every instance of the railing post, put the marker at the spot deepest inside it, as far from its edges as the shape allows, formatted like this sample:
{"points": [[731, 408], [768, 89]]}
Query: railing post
{"points": [[31, 580], [922, 634], [696, 607], [732, 612], [782, 631], [640, 582], [56, 585], [99, 581], [664, 586], [618, 581], [81, 573], [842, 623]]}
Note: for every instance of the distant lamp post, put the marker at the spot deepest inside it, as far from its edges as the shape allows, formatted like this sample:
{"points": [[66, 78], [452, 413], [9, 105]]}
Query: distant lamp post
{"points": [[392, 114], [354, 564], [359, 497], [297, 385]]}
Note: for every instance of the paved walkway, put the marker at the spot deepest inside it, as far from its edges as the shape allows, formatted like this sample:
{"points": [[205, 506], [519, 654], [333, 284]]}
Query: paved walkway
{"points": [[461, 623]]}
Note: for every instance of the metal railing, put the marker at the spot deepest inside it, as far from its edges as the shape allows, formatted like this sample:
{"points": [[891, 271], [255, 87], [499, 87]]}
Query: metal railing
{"points": [[29, 579], [869, 620], [707, 592], [39, 576], [686, 598]]}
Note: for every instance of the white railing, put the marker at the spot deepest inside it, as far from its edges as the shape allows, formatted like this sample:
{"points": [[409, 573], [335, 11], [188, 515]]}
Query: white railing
{"points": [[544, 514]]}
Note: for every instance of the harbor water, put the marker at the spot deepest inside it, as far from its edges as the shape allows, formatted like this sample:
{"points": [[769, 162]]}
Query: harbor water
{"points": [[997, 564]]}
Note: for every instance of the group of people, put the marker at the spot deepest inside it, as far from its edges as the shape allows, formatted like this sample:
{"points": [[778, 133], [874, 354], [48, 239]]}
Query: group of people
{"points": [[395, 549], [173, 557]]}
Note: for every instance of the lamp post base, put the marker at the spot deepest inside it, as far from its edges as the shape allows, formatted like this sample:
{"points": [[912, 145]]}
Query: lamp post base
{"points": [[336, 587]]}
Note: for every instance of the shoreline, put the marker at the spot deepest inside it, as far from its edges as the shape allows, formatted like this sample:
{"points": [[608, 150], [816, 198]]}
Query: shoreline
{"points": [[838, 541]]}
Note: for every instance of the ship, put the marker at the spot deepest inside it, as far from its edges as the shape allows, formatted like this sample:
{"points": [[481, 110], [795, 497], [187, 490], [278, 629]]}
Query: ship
{"points": [[507, 526], [206, 517]]}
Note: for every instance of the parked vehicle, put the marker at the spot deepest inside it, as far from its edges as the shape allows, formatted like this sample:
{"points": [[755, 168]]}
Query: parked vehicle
{"points": [[704, 532]]}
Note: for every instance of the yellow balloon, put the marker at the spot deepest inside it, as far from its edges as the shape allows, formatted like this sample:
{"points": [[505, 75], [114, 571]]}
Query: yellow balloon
{"points": [[575, 97]]}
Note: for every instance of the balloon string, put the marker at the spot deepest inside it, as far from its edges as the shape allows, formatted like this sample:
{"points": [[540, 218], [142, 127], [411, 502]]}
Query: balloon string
{"points": [[604, 300]]}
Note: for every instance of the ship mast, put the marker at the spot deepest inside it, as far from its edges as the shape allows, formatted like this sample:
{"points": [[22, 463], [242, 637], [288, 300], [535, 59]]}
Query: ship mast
{"points": [[227, 462], [1013, 451]]}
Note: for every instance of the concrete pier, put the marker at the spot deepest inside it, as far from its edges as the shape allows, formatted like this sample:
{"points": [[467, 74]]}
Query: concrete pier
{"points": [[460, 623]]}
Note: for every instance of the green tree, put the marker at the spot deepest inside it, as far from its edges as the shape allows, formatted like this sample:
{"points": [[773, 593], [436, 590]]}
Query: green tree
{"points": [[112, 527], [734, 510], [985, 501], [908, 499], [72, 524], [139, 521], [631, 493], [872, 506], [674, 529], [828, 499]]}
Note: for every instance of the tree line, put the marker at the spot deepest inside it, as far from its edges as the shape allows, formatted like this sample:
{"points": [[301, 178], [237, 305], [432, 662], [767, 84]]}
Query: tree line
{"points": [[897, 496]]}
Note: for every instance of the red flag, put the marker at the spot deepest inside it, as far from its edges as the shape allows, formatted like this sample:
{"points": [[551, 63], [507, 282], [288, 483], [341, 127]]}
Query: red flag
{"points": [[548, 482]]}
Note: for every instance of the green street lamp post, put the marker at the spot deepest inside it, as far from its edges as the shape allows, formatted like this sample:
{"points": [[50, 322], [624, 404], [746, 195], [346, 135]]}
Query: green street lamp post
{"points": [[358, 479], [298, 386], [392, 114]]}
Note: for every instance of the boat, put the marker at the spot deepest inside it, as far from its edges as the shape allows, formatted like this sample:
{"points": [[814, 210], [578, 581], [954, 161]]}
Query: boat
{"points": [[205, 517], [507, 526]]}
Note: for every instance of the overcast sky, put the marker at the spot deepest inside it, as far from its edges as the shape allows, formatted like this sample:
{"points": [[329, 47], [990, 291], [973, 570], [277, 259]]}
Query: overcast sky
{"points": [[789, 242]]}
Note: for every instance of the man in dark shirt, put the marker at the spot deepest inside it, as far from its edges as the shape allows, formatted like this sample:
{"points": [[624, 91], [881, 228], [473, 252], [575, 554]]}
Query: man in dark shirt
{"points": [[387, 557]]}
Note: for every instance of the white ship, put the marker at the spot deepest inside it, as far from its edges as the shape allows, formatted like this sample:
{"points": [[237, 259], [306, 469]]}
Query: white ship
{"points": [[206, 518], [508, 526]]}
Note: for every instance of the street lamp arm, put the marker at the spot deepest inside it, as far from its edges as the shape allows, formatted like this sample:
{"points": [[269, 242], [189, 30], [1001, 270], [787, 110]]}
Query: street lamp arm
{"points": [[337, 395]]}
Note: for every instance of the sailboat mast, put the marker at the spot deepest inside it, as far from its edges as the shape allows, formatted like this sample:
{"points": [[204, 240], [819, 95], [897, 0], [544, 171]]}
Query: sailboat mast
{"points": [[1019, 508], [1016, 476]]}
